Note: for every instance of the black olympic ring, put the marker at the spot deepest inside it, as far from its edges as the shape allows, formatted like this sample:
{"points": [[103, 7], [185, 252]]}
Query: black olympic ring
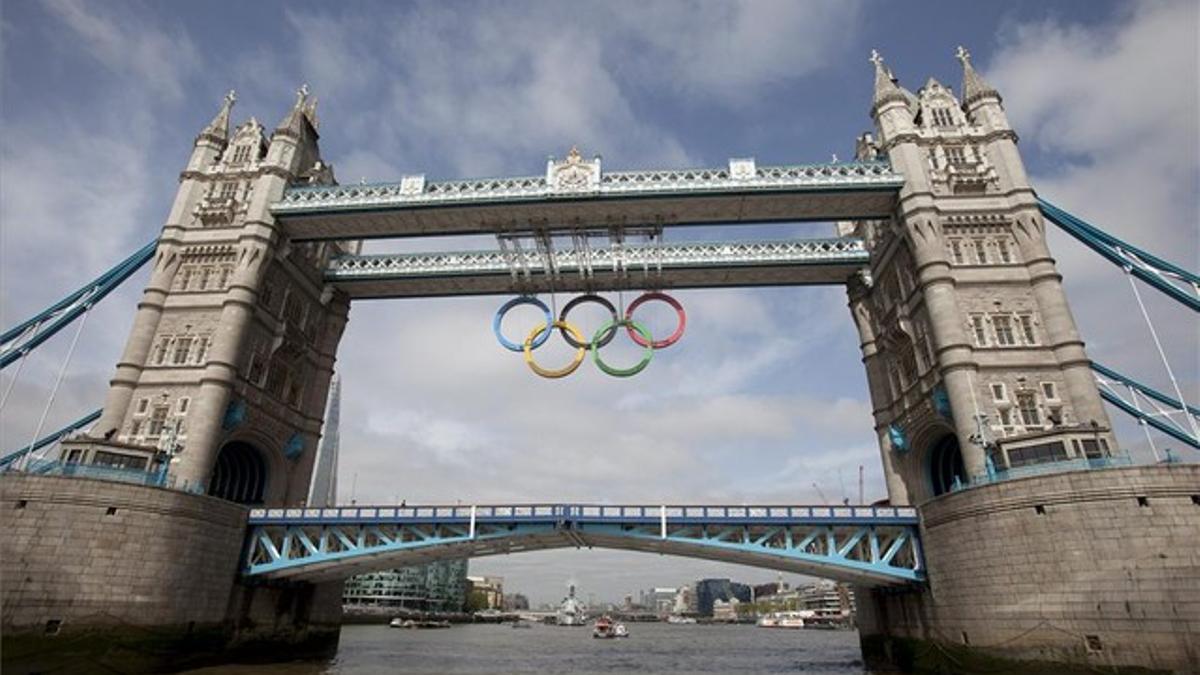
{"points": [[600, 300]]}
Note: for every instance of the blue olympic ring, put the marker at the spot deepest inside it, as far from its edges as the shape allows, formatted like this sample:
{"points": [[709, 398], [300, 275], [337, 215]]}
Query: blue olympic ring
{"points": [[521, 300]]}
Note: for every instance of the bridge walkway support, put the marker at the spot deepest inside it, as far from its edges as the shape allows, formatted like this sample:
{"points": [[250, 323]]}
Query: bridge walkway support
{"points": [[1094, 570]]}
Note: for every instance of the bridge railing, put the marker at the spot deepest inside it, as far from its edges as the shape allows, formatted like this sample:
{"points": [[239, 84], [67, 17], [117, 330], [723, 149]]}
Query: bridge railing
{"points": [[584, 512]]}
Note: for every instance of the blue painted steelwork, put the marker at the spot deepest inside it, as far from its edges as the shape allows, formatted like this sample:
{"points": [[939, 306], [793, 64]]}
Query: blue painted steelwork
{"points": [[862, 544], [84, 421], [26, 336], [1160, 418], [1079, 464], [60, 468], [1162, 275]]}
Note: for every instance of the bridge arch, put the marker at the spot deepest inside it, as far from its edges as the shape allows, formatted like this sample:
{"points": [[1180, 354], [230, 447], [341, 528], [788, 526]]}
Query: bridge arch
{"points": [[944, 464], [241, 473], [864, 545]]}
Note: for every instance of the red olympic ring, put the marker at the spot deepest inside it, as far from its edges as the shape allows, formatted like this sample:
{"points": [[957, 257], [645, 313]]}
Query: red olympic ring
{"points": [[668, 341]]}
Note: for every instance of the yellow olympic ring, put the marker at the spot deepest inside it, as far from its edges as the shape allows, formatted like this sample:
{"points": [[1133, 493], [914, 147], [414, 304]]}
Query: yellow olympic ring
{"points": [[580, 354]]}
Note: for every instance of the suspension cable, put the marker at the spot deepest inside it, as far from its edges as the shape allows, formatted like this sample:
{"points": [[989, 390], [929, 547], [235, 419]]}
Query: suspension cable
{"points": [[13, 382], [1162, 354], [1133, 395], [54, 391]]}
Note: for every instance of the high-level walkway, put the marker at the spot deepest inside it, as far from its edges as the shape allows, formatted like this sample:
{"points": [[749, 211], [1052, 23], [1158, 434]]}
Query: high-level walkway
{"points": [[575, 193], [866, 545]]}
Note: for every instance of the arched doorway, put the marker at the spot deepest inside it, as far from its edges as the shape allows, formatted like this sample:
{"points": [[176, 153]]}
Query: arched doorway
{"points": [[240, 474], [946, 464]]}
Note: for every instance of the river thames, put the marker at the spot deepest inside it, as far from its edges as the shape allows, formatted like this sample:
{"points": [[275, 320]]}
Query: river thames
{"points": [[652, 648]]}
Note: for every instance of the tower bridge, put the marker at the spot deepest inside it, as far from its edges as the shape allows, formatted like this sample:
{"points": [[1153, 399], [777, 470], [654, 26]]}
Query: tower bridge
{"points": [[1005, 480]]}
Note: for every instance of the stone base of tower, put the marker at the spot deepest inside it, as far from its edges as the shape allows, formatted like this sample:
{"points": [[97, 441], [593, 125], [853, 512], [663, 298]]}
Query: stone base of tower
{"points": [[1073, 572], [104, 576]]}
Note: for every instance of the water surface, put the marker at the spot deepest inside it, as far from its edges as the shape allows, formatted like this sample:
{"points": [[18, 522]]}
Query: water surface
{"points": [[652, 648]]}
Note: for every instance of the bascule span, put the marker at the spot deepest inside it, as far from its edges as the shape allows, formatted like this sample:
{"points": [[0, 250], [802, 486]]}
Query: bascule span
{"points": [[864, 545]]}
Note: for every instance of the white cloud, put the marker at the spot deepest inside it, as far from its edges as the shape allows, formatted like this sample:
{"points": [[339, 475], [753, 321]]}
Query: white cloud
{"points": [[128, 45]]}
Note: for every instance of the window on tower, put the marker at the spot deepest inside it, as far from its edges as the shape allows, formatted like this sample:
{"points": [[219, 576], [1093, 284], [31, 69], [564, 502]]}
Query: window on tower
{"points": [[981, 255], [1027, 332], [1002, 324], [980, 331], [956, 251], [183, 345], [1003, 251], [1028, 409]]}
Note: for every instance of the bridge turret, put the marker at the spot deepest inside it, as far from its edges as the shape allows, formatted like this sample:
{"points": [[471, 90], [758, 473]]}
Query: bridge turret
{"points": [[227, 367], [972, 355]]}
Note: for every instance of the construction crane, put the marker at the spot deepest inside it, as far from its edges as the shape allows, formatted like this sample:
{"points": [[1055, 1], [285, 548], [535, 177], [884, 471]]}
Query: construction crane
{"points": [[821, 494]]}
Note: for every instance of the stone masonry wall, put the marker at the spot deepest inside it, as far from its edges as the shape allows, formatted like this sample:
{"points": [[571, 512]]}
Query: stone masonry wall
{"points": [[139, 579], [1093, 568], [106, 552]]}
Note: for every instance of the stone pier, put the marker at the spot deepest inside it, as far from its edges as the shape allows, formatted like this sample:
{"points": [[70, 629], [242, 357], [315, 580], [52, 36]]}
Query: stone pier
{"points": [[1093, 570], [126, 578]]}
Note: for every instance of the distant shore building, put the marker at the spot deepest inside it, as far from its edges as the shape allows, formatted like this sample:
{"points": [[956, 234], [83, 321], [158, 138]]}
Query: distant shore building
{"points": [[708, 591], [489, 590], [437, 587]]}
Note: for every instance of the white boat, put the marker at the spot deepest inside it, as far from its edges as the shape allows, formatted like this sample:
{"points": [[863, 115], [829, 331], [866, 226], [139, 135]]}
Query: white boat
{"points": [[794, 619], [676, 619], [607, 629]]}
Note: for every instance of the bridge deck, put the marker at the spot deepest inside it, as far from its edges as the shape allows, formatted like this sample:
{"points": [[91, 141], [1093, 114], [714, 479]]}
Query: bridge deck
{"points": [[684, 265], [861, 544], [677, 197]]}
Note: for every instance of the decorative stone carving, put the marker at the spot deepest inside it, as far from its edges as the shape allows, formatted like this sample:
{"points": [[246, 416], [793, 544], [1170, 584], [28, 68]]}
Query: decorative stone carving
{"points": [[412, 185], [574, 174], [742, 169]]}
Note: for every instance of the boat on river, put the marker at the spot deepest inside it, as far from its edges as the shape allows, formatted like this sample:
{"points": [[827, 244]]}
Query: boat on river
{"points": [[607, 629], [571, 612], [412, 623], [794, 619]]}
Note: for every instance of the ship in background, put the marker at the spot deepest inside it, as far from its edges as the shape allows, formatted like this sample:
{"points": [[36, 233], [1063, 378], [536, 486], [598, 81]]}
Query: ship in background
{"points": [[571, 612]]}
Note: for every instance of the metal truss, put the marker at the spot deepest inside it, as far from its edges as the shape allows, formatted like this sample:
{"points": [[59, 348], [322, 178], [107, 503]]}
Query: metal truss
{"points": [[415, 191], [26, 336], [1180, 284], [584, 261], [1149, 406], [860, 544]]}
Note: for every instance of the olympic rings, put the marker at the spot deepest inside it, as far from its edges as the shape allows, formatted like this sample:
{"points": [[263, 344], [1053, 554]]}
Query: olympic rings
{"points": [[633, 327], [660, 344], [521, 300], [580, 352], [637, 331], [612, 327]]}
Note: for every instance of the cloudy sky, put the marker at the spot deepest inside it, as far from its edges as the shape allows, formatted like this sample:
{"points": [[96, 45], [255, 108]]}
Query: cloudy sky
{"points": [[765, 397]]}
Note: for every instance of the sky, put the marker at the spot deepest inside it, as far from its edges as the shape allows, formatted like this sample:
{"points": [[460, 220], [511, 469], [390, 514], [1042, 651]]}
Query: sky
{"points": [[764, 400]]}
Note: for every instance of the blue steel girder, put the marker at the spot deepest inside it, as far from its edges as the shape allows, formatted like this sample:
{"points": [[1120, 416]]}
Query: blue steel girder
{"points": [[864, 545], [26, 336], [1173, 418], [1180, 284]]}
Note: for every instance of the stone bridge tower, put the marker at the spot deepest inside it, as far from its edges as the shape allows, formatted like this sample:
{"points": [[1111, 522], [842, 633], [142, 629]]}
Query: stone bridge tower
{"points": [[973, 359], [226, 370]]}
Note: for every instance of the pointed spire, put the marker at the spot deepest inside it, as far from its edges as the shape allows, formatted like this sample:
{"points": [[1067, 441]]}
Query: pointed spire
{"points": [[886, 89], [301, 109], [973, 87], [218, 129]]}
